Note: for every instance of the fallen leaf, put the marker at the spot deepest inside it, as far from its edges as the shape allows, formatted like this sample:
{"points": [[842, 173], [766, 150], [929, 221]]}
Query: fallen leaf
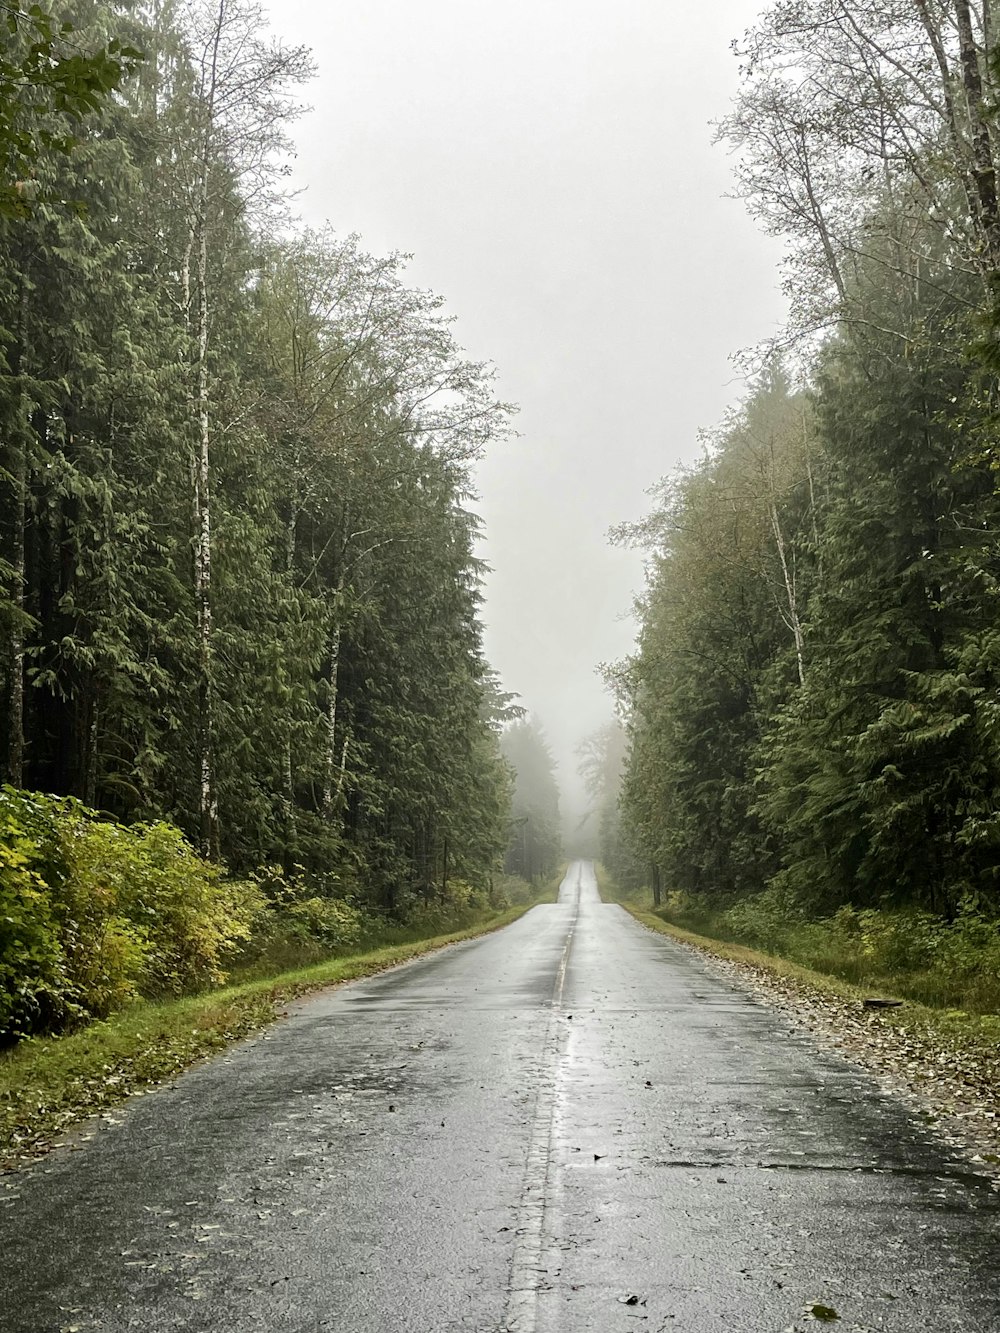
{"points": [[825, 1314]]}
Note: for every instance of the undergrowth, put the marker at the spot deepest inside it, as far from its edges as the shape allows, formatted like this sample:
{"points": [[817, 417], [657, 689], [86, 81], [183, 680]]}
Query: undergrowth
{"points": [[889, 951], [95, 916]]}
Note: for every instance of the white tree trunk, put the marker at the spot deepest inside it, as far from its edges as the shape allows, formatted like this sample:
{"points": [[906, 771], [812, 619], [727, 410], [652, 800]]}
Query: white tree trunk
{"points": [[331, 788], [791, 594], [15, 714]]}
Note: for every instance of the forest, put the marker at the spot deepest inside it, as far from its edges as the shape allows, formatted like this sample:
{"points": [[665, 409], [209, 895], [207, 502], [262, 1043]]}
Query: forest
{"points": [[813, 711], [239, 587], [239, 591]]}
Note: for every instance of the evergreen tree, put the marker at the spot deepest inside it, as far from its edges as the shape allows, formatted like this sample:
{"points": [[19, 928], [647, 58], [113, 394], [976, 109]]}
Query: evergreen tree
{"points": [[239, 581], [534, 845]]}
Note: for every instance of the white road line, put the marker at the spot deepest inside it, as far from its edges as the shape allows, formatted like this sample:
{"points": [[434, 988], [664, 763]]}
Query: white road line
{"points": [[530, 1263]]}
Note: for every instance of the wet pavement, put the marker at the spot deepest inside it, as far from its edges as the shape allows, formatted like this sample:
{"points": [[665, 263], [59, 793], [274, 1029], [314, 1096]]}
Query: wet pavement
{"points": [[569, 1126]]}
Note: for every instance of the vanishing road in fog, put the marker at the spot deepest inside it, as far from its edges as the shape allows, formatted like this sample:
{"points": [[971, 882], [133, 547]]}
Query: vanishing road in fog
{"points": [[568, 1125]]}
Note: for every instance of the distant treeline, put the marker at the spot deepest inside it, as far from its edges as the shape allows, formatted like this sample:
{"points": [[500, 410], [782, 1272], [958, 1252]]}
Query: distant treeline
{"points": [[535, 846], [237, 581], [813, 711]]}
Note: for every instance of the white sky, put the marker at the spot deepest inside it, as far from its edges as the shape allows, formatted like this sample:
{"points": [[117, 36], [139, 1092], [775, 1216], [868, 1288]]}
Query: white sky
{"points": [[550, 166]]}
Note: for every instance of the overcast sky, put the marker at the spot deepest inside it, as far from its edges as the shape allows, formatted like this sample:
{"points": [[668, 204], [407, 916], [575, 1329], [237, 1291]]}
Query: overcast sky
{"points": [[549, 164]]}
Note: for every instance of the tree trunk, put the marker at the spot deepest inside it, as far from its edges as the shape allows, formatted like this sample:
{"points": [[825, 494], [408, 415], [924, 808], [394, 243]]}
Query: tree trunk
{"points": [[291, 823], [208, 810], [950, 116], [791, 593], [331, 786], [983, 167], [93, 742], [819, 217], [19, 518], [15, 713], [208, 806]]}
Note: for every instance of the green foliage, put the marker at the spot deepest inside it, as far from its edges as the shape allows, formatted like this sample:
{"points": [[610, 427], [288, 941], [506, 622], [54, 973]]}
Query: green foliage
{"points": [[147, 883], [896, 951], [718, 636], [811, 711], [34, 987], [332, 923], [293, 920], [96, 914], [47, 87], [309, 691], [458, 906]]}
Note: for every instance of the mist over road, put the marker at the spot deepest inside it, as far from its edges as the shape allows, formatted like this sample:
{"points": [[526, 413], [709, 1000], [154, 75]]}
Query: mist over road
{"points": [[568, 1125]]}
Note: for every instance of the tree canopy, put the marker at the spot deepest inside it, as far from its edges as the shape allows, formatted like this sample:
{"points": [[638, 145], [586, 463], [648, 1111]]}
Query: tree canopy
{"points": [[238, 580], [811, 709]]}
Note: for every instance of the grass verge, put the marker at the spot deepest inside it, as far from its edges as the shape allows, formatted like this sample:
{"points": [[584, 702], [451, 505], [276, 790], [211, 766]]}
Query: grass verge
{"points": [[49, 1083], [979, 1029]]}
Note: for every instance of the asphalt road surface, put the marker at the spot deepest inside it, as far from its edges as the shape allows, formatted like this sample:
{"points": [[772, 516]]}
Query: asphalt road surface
{"points": [[568, 1125]]}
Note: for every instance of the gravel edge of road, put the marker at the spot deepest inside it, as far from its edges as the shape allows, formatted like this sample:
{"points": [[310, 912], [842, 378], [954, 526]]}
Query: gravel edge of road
{"points": [[951, 1083]]}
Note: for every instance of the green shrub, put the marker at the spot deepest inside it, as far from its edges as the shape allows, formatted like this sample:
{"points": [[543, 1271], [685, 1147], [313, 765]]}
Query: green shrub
{"points": [[146, 914], [34, 989], [105, 951], [93, 914], [457, 906], [293, 922], [329, 921], [905, 951], [764, 920], [194, 920]]}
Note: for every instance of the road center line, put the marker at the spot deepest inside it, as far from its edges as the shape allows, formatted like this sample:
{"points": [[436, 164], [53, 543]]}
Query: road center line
{"points": [[529, 1265]]}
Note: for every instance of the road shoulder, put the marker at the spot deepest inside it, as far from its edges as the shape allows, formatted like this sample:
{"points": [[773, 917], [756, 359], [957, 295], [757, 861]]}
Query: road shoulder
{"points": [[945, 1064]]}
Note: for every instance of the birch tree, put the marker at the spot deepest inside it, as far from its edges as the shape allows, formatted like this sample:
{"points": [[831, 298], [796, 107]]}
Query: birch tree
{"points": [[234, 131], [868, 119]]}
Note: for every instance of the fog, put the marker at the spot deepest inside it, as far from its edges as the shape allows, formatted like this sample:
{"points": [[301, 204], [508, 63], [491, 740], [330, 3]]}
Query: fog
{"points": [[550, 167]]}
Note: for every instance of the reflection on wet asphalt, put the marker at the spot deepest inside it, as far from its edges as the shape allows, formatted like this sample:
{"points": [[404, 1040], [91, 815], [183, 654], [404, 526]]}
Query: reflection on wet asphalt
{"points": [[522, 1133]]}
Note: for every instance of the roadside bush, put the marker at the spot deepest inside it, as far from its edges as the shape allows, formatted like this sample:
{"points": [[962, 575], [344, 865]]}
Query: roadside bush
{"points": [[454, 908], [293, 922], [905, 951], [146, 915], [331, 922], [93, 914], [764, 920], [196, 921], [34, 988]]}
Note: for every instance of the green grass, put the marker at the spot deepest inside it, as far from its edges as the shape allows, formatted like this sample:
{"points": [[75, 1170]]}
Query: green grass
{"points": [[47, 1084]]}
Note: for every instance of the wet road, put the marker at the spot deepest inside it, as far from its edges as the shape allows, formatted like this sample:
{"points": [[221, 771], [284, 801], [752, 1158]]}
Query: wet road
{"points": [[521, 1133]]}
